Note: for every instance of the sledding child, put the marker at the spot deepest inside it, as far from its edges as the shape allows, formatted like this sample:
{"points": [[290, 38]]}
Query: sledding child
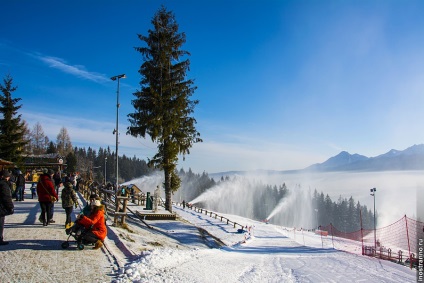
{"points": [[69, 200]]}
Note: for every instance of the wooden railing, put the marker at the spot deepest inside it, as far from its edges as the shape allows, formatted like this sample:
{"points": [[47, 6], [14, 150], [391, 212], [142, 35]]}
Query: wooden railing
{"points": [[213, 215]]}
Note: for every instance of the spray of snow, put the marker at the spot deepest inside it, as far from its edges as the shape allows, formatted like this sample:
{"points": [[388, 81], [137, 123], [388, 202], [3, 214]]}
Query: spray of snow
{"points": [[238, 195], [233, 197], [294, 210], [147, 183]]}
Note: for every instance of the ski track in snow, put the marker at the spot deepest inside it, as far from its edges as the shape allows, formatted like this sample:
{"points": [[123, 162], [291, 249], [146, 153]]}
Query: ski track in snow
{"points": [[268, 255]]}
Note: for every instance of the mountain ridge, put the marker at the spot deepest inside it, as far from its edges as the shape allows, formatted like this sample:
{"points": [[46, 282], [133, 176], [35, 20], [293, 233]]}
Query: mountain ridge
{"points": [[411, 158]]}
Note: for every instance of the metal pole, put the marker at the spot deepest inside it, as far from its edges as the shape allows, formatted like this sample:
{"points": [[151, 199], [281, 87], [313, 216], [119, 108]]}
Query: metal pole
{"points": [[375, 232], [117, 129], [373, 190], [117, 136], [105, 170], [316, 217]]}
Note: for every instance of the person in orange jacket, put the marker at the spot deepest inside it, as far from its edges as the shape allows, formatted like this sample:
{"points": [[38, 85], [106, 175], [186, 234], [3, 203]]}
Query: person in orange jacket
{"points": [[95, 223]]}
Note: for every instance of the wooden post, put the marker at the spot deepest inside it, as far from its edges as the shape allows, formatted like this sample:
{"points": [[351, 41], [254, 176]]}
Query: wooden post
{"points": [[118, 212], [124, 210], [117, 202]]}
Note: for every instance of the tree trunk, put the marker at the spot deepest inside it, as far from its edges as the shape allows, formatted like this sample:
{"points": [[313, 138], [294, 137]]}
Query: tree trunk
{"points": [[168, 190]]}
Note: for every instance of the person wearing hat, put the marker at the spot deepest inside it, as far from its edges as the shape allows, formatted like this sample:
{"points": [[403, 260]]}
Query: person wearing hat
{"points": [[95, 223], [88, 207], [45, 192], [6, 202], [69, 200]]}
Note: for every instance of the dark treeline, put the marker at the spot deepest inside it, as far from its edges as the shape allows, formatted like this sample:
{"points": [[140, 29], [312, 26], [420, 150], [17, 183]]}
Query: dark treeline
{"points": [[92, 162], [193, 185], [267, 199], [344, 214], [259, 200]]}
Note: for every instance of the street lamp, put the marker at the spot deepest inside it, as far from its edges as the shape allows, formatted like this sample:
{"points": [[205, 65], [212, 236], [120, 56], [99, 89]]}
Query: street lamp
{"points": [[105, 170], [118, 77], [316, 217], [373, 190]]}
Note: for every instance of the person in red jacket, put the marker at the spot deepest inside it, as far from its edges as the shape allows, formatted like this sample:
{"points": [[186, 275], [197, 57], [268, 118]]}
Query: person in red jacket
{"points": [[45, 191], [95, 223]]}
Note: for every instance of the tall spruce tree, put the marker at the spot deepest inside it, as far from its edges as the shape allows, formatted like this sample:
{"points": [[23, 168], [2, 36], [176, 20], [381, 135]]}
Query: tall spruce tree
{"points": [[12, 128], [51, 148], [163, 105]]}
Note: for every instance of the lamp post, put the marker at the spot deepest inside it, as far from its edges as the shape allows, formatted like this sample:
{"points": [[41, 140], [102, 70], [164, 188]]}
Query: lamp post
{"points": [[316, 217], [105, 170], [373, 190], [118, 77]]}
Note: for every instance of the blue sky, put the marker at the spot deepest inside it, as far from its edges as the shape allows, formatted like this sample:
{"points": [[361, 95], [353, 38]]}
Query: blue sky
{"points": [[281, 84]]}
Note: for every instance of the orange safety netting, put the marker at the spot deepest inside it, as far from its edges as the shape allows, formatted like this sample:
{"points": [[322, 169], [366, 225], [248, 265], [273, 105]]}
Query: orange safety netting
{"points": [[393, 242]]}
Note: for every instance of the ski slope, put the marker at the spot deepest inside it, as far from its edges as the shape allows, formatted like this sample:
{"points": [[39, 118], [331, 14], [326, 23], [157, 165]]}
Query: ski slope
{"points": [[268, 253]]}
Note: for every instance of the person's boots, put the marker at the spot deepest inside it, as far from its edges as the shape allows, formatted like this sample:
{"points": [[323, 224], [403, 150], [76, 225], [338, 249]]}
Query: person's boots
{"points": [[98, 245], [69, 225]]}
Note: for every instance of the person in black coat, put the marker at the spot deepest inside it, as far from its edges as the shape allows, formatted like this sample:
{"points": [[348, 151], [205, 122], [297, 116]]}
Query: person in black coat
{"points": [[6, 203], [20, 186]]}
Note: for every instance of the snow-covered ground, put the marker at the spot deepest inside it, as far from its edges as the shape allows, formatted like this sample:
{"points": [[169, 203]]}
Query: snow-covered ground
{"points": [[194, 248], [263, 253]]}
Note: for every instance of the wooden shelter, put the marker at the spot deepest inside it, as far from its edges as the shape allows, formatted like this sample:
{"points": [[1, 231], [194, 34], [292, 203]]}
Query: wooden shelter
{"points": [[34, 164], [5, 164], [51, 160]]}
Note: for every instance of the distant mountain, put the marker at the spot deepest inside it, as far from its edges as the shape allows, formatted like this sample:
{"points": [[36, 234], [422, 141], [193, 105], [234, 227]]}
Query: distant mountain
{"points": [[411, 158]]}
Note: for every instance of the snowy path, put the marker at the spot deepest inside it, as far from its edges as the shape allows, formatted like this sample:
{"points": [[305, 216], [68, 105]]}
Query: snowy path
{"points": [[34, 253], [269, 256]]}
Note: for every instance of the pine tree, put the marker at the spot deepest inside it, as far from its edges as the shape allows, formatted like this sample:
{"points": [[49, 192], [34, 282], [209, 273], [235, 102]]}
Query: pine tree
{"points": [[71, 162], [163, 106], [51, 148], [12, 128]]}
